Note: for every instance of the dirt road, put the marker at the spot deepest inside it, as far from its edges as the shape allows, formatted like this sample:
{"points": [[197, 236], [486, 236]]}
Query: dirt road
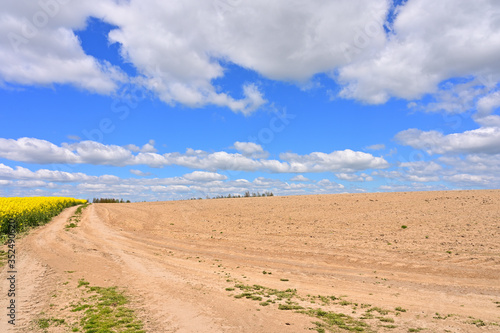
{"points": [[435, 255]]}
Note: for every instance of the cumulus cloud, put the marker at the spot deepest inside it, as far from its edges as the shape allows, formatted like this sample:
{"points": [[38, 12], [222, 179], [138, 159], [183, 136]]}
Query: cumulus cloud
{"points": [[181, 47], [300, 178], [250, 34], [39, 38], [7, 173], [427, 47], [481, 140], [32, 150], [344, 160], [379, 146], [149, 147], [140, 173], [250, 149], [445, 172], [203, 176], [354, 177]]}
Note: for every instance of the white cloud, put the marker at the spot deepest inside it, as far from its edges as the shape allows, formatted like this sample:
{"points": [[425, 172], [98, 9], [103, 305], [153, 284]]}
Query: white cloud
{"points": [[478, 164], [300, 178], [466, 180], [250, 34], [21, 181], [74, 137], [344, 160], [203, 176], [354, 177], [91, 152], [488, 103], [40, 48], [132, 148], [33, 150], [430, 42], [250, 149], [140, 173], [180, 47], [469, 171], [149, 147], [328, 184], [481, 140], [38, 151], [379, 146]]}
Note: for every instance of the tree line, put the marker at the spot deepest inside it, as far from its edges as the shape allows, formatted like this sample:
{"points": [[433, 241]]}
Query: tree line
{"points": [[247, 194], [109, 200]]}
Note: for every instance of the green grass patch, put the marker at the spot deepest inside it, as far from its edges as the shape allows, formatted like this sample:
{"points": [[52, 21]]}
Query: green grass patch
{"points": [[289, 307], [477, 322], [106, 311], [438, 316], [286, 300], [82, 282], [379, 310], [331, 321], [3, 257], [73, 220], [386, 319], [47, 322]]}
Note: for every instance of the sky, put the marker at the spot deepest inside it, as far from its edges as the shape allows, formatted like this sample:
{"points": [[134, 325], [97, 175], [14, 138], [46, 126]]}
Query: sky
{"points": [[151, 100]]}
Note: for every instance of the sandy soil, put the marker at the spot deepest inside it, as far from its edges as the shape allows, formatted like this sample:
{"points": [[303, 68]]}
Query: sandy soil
{"points": [[175, 260]]}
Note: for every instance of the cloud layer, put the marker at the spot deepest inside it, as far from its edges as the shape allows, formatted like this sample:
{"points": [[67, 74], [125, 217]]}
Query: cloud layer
{"points": [[196, 184], [180, 47], [251, 158]]}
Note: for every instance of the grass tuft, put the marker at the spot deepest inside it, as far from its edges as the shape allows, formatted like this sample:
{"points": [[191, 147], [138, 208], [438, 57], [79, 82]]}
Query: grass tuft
{"points": [[106, 311]]}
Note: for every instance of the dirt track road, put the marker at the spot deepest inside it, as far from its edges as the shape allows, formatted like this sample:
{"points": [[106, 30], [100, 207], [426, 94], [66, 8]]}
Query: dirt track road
{"points": [[175, 260]]}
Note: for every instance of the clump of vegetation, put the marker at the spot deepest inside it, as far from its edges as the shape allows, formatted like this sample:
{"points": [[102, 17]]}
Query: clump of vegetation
{"points": [[105, 311], [379, 310], [477, 322], [82, 282], [285, 299], [331, 320], [47, 322], [404, 226], [386, 319], [289, 307], [3, 257], [438, 316], [76, 218]]}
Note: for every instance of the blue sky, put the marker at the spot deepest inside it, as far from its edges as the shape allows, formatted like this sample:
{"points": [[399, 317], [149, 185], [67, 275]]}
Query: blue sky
{"points": [[161, 100]]}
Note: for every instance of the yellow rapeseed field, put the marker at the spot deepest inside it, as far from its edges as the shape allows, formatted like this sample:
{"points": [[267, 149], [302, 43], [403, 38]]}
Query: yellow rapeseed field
{"points": [[32, 211]]}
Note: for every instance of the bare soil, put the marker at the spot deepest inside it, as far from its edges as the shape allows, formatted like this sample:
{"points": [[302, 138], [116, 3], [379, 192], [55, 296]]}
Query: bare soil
{"points": [[176, 259]]}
